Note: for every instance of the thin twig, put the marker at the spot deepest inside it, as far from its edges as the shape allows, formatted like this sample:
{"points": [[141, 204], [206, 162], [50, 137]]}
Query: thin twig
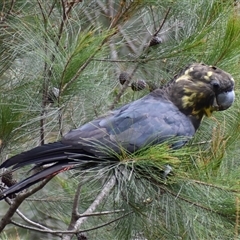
{"points": [[45, 82], [64, 18], [123, 89], [115, 19], [11, 7], [113, 25], [75, 77], [104, 192], [107, 223], [101, 213], [163, 22], [4, 16], [3, 6], [214, 186], [18, 201], [154, 21], [87, 14], [51, 8], [29, 221], [144, 52], [50, 199], [110, 9], [114, 55], [196, 204], [42, 12], [65, 15], [102, 6], [75, 214], [118, 61], [128, 40], [60, 233], [237, 219]]}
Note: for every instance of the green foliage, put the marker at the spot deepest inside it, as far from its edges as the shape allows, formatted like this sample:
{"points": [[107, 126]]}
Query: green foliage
{"points": [[81, 49], [9, 121]]}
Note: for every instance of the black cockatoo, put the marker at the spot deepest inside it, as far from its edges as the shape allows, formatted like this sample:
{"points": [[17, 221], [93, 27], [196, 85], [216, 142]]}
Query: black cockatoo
{"points": [[174, 110]]}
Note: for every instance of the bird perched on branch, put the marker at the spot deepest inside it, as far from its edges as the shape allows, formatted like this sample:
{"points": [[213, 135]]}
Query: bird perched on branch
{"points": [[173, 111]]}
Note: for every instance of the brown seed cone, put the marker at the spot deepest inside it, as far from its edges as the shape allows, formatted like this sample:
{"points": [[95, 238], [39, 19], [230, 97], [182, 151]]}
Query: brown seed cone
{"points": [[123, 77], [155, 40], [81, 236], [138, 85]]}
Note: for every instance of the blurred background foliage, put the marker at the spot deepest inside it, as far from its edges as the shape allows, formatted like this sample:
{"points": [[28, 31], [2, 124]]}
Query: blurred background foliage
{"points": [[60, 67]]}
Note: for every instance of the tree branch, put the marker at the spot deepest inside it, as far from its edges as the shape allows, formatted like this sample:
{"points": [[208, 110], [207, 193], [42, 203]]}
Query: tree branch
{"points": [[47, 230], [18, 201], [144, 52], [75, 213], [21, 215], [104, 192], [123, 89], [101, 213], [4, 16], [60, 233], [163, 22]]}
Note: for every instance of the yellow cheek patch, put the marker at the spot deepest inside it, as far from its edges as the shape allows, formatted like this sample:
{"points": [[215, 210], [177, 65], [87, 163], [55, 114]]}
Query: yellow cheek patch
{"points": [[195, 113], [188, 71], [183, 77], [185, 102], [206, 78], [208, 111], [187, 90], [188, 101], [193, 96], [209, 74]]}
